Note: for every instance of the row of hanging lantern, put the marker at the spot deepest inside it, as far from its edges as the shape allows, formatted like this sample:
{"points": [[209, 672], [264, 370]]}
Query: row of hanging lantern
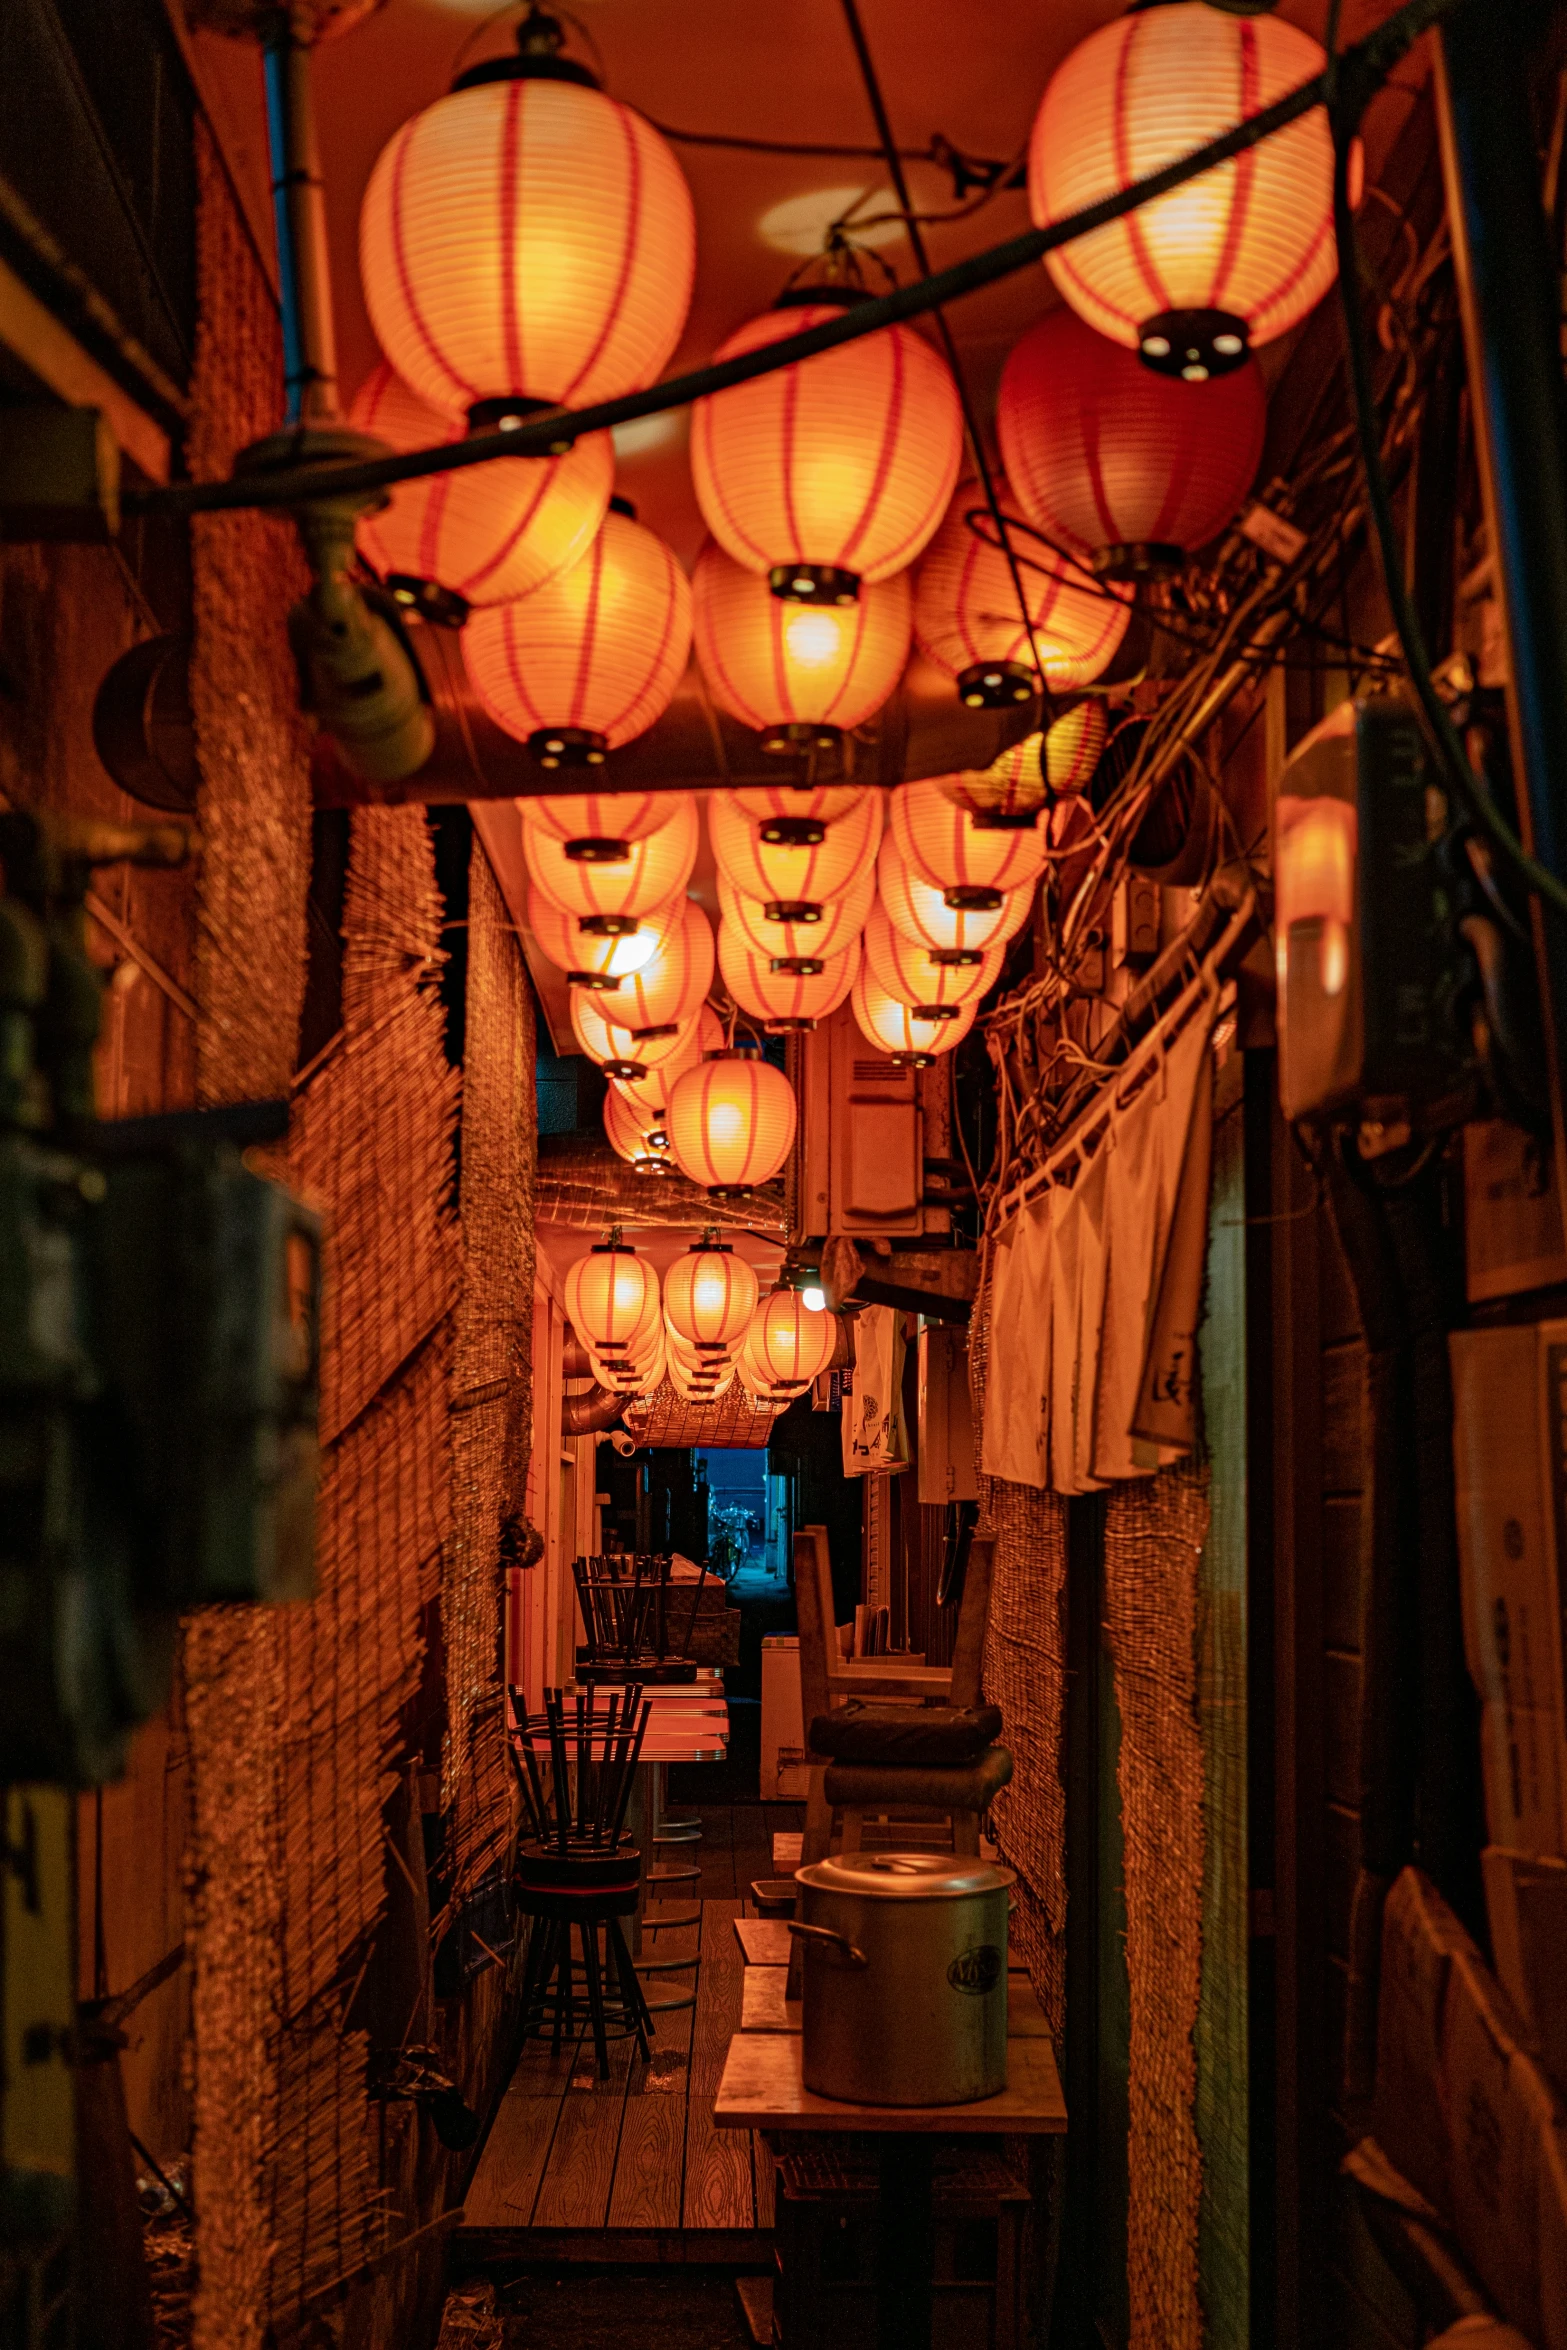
{"points": [[707, 1327], [529, 240]]}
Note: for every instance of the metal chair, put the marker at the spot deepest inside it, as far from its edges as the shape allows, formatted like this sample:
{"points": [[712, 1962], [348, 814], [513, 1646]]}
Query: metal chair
{"points": [[636, 1619]]}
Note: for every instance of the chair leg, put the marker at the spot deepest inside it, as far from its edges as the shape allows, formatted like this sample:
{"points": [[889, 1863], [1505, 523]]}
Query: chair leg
{"points": [[965, 1832], [533, 1971], [590, 1967], [818, 1817], [563, 2007], [630, 1989]]}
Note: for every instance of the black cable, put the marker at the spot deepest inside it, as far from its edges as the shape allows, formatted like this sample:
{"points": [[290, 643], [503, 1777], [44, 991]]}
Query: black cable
{"points": [[1406, 621], [878, 105], [1366, 64]]}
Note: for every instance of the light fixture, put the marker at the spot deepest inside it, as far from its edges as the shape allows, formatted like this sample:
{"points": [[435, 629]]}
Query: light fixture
{"points": [[821, 803], [892, 1028], [699, 1387], [619, 1051], [1194, 278], [670, 984], [647, 1090], [793, 859], [635, 1135], [1129, 469], [654, 870], [782, 994], [485, 533], [709, 1297], [935, 988], [798, 933], [790, 1344], [967, 620], [802, 675], [972, 864], [1015, 786], [731, 1122], [599, 950], [921, 912], [608, 1292], [527, 236], [596, 825], [814, 1298], [834, 470], [591, 659]]}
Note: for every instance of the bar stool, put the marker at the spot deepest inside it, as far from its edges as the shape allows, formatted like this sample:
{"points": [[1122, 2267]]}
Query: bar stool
{"points": [[575, 1868]]}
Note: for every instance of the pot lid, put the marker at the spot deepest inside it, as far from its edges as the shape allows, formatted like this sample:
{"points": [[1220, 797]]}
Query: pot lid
{"points": [[905, 1876]]}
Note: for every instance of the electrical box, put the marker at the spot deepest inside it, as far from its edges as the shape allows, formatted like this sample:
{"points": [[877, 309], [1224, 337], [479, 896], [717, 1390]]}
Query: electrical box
{"points": [[946, 1417], [1373, 979], [860, 1145]]}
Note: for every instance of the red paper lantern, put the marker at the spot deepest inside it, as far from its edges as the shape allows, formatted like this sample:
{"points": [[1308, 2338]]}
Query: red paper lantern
{"points": [[971, 862], [600, 951], [933, 989], [798, 933], [647, 1090], [835, 470], [1231, 258], [800, 674], [636, 1135], [894, 1029], [486, 532], [623, 1051], [709, 1297], [817, 803], [1127, 468], [782, 998], [921, 912], [608, 1293], [654, 869], [1014, 787], [590, 660], [788, 1344], [731, 1122], [793, 860], [966, 616], [595, 824], [670, 985], [527, 236]]}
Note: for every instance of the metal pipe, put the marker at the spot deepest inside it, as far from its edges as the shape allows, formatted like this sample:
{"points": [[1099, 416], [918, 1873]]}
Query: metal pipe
{"points": [[1509, 296], [299, 211], [588, 1414]]}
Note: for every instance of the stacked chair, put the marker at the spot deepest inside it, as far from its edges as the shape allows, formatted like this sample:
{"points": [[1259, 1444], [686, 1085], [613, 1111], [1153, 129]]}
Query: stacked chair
{"points": [[639, 1622], [576, 1868]]}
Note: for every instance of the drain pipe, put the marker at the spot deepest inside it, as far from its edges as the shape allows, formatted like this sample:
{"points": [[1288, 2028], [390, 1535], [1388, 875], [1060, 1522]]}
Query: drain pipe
{"points": [[299, 210], [595, 1411]]}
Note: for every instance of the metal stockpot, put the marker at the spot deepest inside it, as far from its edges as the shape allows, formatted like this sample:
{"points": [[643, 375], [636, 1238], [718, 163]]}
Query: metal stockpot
{"points": [[905, 1977]]}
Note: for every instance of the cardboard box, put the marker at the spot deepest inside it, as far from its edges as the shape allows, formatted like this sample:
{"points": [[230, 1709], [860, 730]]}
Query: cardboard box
{"points": [[1510, 1470], [1526, 1903], [1420, 1936], [1500, 2110]]}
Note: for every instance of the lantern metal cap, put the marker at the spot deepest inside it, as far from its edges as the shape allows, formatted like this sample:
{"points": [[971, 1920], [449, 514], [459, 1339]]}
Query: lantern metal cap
{"points": [[608, 925], [506, 411], [1138, 559], [996, 685], [788, 741], [427, 600], [1194, 345], [955, 958], [804, 910], [538, 58], [568, 746], [794, 832], [935, 1011], [912, 1060], [595, 982], [797, 967], [972, 897], [798, 1026], [599, 848], [1004, 820], [814, 583]]}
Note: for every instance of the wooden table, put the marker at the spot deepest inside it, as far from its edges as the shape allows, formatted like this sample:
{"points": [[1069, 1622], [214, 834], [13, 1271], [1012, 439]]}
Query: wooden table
{"points": [[763, 2088]]}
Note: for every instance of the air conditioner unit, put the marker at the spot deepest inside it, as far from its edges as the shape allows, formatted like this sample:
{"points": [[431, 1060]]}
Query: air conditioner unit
{"points": [[859, 1156]]}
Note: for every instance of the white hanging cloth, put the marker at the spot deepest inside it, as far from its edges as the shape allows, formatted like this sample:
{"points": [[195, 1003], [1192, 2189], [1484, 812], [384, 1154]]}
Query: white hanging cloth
{"points": [[875, 1436], [1015, 1441]]}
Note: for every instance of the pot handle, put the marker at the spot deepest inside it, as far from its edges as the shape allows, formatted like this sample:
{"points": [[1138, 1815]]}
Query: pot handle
{"points": [[850, 1955]]}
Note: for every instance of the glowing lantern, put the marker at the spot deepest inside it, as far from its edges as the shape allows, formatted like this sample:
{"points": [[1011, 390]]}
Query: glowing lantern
{"points": [[1233, 257], [638, 1375], [636, 1135], [588, 661], [1013, 788], [893, 1028], [756, 1382], [671, 983], [597, 825], [817, 803], [832, 471], [488, 532], [1126, 468], [804, 935], [699, 1386], [607, 1294], [527, 235], [789, 1345], [966, 616], [654, 870], [601, 950], [793, 861], [781, 997], [922, 914], [648, 1089], [621, 1051], [709, 1297], [932, 989], [973, 865], [801, 674], [731, 1122]]}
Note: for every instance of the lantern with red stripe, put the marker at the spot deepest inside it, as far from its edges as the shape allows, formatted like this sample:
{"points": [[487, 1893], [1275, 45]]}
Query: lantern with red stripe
{"points": [[608, 1294], [821, 803], [934, 987], [653, 871], [779, 995], [793, 860], [1013, 788], [798, 933], [671, 983], [833, 471], [709, 1297], [789, 1345], [636, 1135], [596, 825], [526, 239], [757, 1381], [698, 1387], [647, 1090], [621, 1051], [485, 532], [921, 912], [588, 661], [968, 621], [1129, 469], [1232, 258], [598, 951], [910, 1039], [973, 864], [635, 1374], [800, 674], [731, 1123]]}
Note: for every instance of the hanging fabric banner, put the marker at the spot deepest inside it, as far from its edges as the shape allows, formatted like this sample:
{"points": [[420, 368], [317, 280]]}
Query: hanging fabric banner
{"points": [[874, 1435]]}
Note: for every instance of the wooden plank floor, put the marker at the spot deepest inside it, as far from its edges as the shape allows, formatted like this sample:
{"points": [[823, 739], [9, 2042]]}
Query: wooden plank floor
{"points": [[638, 2153]]}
